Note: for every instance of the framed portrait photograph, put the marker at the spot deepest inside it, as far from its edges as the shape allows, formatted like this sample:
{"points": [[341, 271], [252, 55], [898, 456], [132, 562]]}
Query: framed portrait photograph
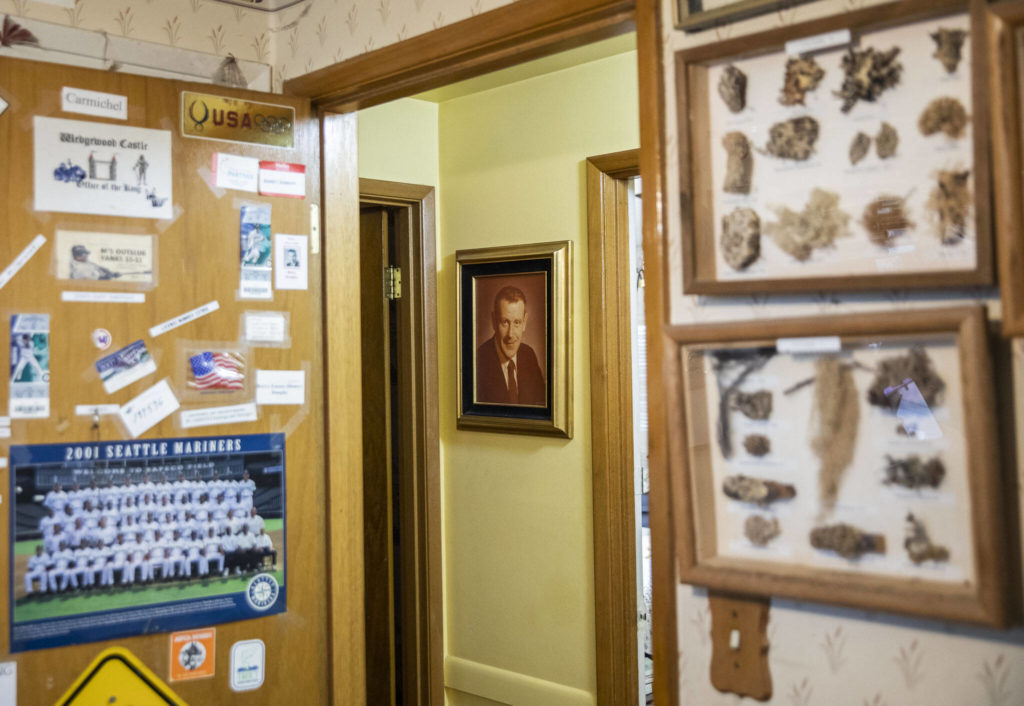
{"points": [[850, 152], [848, 459], [515, 339], [698, 15]]}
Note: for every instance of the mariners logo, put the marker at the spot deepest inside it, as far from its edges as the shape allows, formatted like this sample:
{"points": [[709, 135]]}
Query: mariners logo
{"points": [[262, 592]]}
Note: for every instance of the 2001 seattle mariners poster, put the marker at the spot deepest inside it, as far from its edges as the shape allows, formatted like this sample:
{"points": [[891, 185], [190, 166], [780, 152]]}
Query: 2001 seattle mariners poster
{"points": [[122, 538]]}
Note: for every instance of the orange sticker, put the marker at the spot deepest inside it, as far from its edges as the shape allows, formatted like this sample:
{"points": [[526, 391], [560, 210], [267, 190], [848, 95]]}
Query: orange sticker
{"points": [[192, 654]]}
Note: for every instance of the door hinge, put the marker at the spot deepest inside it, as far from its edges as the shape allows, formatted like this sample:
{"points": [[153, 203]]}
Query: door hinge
{"points": [[392, 282]]}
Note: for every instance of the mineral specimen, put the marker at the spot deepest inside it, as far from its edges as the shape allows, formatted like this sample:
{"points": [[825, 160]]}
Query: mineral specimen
{"points": [[859, 148], [802, 76], [945, 115], [732, 368], [732, 87], [817, 226], [950, 203], [886, 141], [847, 541], [753, 405], [912, 472], [760, 530], [739, 165], [892, 373], [836, 420], [741, 238], [757, 445], [867, 73], [948, 45], [885, 219], [919, 545], [793, 138], [756, 490]]}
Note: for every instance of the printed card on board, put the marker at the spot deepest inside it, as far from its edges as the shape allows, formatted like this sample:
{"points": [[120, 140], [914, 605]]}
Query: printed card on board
{"points": [[103, 256], [292, 261], [30, 366], [123, 367], [216, 371], [254, 248]]}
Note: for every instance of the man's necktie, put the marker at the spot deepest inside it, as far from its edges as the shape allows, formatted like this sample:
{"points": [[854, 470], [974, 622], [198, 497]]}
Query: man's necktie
{"points": [[513, 386]]}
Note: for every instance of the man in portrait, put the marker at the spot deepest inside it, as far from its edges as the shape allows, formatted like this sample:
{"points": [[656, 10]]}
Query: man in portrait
{"points": [[507, 371]]}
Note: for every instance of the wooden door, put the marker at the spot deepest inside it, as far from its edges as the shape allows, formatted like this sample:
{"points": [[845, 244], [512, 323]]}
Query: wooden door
{"points": [[196, 258]]}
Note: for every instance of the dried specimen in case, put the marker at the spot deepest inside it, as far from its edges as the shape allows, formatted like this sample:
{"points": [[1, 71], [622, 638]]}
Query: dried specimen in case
{"points": [[847, 541], [919, 545], [860, 147], [867, 73], [803, 74], [837, 416], [948, 46], [753, 405], [757, 445], [741, 238], [761, 530], [793, 138], [885, 219], [732, 87], [946, 115], [950, 204], [732, 368], [886, 141], [739, 164], [893, 373], [817, 226], [756, 490], [913, 473]]}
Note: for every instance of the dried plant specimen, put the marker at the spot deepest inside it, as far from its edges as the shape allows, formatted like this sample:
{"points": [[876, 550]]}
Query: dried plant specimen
{"points": [[885, 219], [946, 115], [793, 138], [817, 226], [732, 87], [741, 238], [753, 405], [732, 368], [892, 373], [757, 445], [950, 203], [837, 416], [912, 472], [847, 541], [919, 545], [756, 490], [886, 141], [867, 73], [802, 76], [739, 164], [761, 530], [859, 148], [948, 46]]}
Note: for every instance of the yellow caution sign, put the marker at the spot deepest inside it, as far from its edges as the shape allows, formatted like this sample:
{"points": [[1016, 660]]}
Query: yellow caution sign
{"points": [[117, 678]]}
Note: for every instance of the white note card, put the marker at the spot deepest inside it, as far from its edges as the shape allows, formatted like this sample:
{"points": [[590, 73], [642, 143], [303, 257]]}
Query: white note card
{"points": [[291, 261], [266, 327], [23, 257], [813, 344], [3, 106], [148, 409], [208, 416], [185, 318], [102, 410], [104, 297], [231, 171], [280, 387], [102, 105]]}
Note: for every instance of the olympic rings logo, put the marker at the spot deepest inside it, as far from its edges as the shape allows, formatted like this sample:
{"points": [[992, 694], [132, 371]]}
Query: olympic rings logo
{"points": [[268, 123]]}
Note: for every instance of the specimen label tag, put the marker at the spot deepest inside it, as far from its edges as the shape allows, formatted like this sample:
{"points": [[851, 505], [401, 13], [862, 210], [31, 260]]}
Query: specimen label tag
{"points": [[818, 42], [815, 344]]}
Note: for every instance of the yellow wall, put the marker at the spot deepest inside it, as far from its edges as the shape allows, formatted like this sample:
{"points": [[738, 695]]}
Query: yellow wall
{"points": [[398, 142]]}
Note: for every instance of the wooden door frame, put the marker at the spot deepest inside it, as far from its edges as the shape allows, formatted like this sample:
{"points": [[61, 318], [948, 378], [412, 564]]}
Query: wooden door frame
{"points": [[611, 414], [514, 33]]}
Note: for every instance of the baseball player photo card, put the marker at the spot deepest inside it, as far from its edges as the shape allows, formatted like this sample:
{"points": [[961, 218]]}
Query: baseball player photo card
{"points": [[122, 368], [114, 539], [113, 258], [254, 253], [30, 366]]}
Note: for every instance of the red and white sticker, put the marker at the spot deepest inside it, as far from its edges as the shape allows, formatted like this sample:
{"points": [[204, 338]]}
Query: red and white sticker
{"points": [[283, 179]]}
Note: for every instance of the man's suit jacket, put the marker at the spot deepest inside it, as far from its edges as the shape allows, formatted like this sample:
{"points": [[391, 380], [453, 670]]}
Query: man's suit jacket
{"points": [[490, 380]]}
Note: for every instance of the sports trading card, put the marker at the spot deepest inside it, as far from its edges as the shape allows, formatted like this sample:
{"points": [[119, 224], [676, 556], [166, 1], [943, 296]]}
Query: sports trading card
{"points": [[216, 371], [30, 366], [255, 252], [123, 367], [103, 257]]}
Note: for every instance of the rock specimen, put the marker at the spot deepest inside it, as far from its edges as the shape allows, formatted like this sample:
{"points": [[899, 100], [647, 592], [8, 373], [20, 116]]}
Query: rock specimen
{"points": [[757, 445], [919, 545], [948, 46], [753, 405], [793, 138], [732, 87], [756, 490], [761, 530], [886, 141], [739, 164], [946, 115], [847, 541], [817, 226], [950, 203], [913, 473], [741, 238], [891, 373], [860, 147], [802, 76], [732, 367], [837, 416], [885, 219], [867, 73]]}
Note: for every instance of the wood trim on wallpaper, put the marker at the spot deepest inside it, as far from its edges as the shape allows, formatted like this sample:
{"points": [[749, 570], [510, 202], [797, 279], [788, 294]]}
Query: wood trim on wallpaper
{"points": [[508, 35], [611, 414]]}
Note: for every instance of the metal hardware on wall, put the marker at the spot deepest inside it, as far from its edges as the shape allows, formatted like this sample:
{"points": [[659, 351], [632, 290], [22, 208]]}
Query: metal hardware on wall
{"points": [[392, 282], [739, 645], [263, 5]]}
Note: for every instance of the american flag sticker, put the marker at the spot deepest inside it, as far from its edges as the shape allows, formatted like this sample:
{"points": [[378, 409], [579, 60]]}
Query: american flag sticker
{"points": [[212, 371]]}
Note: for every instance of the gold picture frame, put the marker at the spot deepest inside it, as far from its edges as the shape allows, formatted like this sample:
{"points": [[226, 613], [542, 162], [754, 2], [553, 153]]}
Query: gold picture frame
{"points": [[514, 312]]}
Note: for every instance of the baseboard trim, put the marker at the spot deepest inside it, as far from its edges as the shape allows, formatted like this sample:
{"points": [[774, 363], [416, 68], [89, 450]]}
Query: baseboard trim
{"points": [[509, 687]]}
